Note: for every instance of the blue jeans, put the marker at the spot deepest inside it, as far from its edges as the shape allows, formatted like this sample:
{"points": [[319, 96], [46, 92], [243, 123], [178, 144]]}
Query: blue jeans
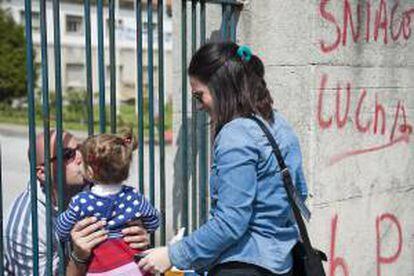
{"points": [[241, 269]]}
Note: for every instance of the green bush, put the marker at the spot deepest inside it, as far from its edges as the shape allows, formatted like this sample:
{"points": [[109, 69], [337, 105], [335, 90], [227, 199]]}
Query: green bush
{"points": [[75, 107], [12, 59], [75, 115]]}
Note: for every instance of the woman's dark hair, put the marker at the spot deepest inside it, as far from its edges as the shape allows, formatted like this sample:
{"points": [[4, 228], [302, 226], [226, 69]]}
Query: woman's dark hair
{"points": [[238, 87]]}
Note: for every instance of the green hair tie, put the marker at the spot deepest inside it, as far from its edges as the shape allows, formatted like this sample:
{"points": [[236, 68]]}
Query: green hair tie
{"points": [[244, 52]]}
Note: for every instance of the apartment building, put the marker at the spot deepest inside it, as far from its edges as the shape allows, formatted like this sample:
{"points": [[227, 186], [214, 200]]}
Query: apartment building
{"points": [[72, 26]]}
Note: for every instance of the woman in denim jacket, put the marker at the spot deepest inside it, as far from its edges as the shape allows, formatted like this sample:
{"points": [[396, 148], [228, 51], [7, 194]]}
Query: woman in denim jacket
{"points": [[252, 229]]}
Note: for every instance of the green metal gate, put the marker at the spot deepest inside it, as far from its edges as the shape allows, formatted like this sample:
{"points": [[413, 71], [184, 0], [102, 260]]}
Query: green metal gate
{"points": [[198, 141]]}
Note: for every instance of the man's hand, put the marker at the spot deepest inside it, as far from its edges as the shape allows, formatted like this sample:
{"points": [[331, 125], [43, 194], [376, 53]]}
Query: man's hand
{"points": [[86, 234], [136, 236], [155, 260]]}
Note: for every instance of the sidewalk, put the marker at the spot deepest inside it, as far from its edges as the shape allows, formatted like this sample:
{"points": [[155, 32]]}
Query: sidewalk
{"points": [[23, 131]]}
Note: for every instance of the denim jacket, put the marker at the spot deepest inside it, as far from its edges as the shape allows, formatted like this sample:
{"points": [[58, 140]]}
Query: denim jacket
{"points": [[251, 220]]}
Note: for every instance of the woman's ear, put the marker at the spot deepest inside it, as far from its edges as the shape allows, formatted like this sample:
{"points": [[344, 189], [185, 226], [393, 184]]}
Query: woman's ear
{"points": [[40, 173]]}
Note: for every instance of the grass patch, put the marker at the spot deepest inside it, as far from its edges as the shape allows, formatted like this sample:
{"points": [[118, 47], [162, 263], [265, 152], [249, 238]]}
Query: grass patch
{"points": [[75, 115]]}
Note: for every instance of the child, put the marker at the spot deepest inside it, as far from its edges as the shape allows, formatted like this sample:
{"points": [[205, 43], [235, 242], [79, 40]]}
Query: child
{"points": [[107, 158]]}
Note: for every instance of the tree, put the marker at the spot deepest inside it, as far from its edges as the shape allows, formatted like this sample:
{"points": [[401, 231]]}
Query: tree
{"points": [[12, 59]]}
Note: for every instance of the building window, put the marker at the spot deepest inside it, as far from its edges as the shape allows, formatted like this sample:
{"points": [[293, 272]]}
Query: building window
{"points": [[120, 77], [154, 27], [119, 25], [35, 20], [75, 75], [128, 5], [74, 24]]}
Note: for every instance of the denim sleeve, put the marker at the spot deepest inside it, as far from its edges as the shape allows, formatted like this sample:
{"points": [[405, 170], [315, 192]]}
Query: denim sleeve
{"points": [[293, 156], [293, 161], [236, 158]]}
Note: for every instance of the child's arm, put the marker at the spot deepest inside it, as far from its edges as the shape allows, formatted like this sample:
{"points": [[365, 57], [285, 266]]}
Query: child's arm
{"points": [[149, 215], [67, 220]]}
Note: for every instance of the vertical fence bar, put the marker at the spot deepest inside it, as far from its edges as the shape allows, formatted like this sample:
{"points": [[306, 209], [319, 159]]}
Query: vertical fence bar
{"points": [[150, 47], [228, 18], [59, 125], [101, 63], [151, 101], [88, 58], [184, 143], [1, 216], [225, 22], [193, 124], [140, 95], [223, 32], [161, 119], [58, 91], [32, 138], [46, 131], [233, 22], [203, 156], [112, 64]]}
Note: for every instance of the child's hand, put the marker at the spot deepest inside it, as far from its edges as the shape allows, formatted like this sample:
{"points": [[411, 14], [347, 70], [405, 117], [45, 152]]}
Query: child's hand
{"points": [[86, 234], [136, 236], [155, 260]]}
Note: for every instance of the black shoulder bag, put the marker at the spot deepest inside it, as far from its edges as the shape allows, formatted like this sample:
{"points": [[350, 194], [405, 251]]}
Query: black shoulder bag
{"points": [[307, 261]]}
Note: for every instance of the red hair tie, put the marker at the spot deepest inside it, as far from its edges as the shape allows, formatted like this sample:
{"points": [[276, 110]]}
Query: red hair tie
{"points": [[92, 158], [127, 141]]}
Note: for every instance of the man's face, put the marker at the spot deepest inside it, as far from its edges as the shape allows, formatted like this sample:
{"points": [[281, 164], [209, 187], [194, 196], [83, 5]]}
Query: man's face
{"points": [[72, 164], [73, 167]]}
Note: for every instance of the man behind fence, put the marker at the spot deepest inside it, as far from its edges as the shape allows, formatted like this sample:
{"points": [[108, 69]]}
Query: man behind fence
{"points": [[85, 235]]}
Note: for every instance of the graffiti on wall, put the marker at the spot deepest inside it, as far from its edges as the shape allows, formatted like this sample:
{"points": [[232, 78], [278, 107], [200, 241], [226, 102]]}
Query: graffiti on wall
{"points": [[381, 117], [340, 114], [386, 224], [383, 22], [349, 23]]}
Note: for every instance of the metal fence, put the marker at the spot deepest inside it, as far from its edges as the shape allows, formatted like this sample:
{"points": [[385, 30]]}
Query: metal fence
{"points": [[199, 131], [199, 128]]}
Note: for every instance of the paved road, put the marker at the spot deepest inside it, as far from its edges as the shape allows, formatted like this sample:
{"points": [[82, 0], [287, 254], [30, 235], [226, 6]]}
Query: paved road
{"points": [[15, 167]]}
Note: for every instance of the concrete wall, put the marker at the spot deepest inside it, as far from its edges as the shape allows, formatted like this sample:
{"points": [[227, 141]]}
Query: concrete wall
{"points": [[350, 99]]}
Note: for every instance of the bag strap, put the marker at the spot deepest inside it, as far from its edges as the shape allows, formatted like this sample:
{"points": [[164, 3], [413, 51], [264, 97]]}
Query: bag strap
{"points": [[288, 184]]}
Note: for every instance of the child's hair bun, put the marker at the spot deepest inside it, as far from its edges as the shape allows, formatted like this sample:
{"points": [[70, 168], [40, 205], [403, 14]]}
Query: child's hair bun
{"points": [[128, 137]]}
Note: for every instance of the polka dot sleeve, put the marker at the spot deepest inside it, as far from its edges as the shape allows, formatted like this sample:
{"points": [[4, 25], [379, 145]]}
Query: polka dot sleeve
{"points": [[67, 220], [148, 214]]}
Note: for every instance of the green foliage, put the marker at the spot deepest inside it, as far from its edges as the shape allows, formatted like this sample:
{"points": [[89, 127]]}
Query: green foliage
{"points": [[12, 59], [75, 116], [75, 107]]}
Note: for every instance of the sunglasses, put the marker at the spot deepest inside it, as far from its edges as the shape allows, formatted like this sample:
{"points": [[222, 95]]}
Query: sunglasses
{"points": [[198, 95], [67, 154]]}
